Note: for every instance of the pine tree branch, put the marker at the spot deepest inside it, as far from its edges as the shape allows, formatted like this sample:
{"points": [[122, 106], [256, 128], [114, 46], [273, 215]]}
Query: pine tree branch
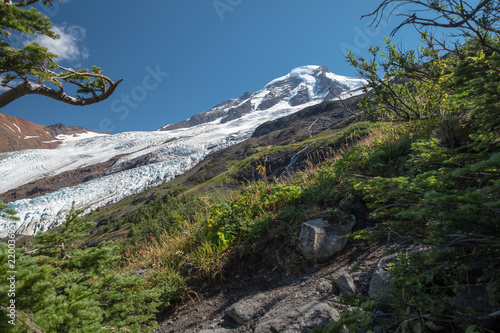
{"points": [[362, 176], [30, 88], [24, 3], [474, 240], [60, 272], [29, 323], [390, 206], [41, 248]]}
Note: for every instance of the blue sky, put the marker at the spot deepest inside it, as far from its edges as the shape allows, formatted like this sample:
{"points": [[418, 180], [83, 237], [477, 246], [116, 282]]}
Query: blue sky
{"points": [[181, 57]]}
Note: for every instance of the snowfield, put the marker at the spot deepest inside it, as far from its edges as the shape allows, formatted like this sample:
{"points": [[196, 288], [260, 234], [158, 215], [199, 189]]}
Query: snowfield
{"points": [[170, 153]]}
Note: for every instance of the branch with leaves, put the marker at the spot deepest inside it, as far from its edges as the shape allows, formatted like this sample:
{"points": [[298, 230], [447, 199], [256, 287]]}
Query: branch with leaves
{"points": [[32, 69], [472, 19]]}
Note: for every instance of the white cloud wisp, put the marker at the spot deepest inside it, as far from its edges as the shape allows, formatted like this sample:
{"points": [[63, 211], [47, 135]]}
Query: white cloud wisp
{"points": [[68, 47]]}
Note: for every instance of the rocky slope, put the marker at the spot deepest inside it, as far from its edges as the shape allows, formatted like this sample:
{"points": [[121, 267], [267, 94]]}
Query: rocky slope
{"points": [[274, 300], [17, 134]]}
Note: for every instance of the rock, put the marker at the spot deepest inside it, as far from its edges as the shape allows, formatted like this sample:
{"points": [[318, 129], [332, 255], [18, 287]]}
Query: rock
{"points": [[216, 330], [297, 318], [321, 240], [477, 298], [246, 309], [325, 286], [142, 272], [381, 279], [346, 284]]}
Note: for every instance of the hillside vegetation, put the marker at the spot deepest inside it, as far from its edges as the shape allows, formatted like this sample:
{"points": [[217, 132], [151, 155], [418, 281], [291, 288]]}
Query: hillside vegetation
{"points": [[422, 169]]}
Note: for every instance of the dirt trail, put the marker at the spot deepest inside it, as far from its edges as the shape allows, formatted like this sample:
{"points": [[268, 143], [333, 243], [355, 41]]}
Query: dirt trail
{"points": [[277, 289]]}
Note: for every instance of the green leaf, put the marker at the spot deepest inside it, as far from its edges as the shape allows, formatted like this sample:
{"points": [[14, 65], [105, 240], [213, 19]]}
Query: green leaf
{"points": [[431, 325], [471, 329]]}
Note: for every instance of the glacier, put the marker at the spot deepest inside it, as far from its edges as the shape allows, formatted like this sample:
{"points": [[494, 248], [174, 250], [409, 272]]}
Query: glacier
{"points": [[174, 152]]}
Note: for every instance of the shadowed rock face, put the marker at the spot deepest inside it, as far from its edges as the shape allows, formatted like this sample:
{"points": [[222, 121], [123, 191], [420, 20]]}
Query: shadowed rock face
{"points": [[197, 119], [237, 112], [301, 97], [228, 107], [278, 92]]}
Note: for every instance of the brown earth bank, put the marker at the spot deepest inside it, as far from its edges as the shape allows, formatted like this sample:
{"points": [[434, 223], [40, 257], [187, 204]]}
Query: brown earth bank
{"points": [[263, 283], [17, 134]]}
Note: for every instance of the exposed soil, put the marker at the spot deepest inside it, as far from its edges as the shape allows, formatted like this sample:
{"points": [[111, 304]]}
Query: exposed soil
{"points": [[17, 134], [206, 310], [276, 271]]}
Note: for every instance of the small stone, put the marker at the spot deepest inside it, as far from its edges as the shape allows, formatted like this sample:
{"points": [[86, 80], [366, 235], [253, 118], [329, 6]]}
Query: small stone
{"points": [[325, 287], [381, 278], [346, 284]]}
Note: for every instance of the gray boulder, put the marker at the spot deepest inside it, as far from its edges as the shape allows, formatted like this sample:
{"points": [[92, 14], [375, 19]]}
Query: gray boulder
{"points": [[320, 239], [297, 318], [246, 309], [381, 279], [346, 284]]}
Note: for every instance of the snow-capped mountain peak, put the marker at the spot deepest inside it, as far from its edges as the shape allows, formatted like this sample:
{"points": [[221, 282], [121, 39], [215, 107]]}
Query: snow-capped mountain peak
{"points": [[304, 73], [302, 85], [131, 162]]}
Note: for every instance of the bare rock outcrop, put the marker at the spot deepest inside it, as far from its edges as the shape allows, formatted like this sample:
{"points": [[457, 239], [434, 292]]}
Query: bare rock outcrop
{"points": [[320, 239], [297, 318]]}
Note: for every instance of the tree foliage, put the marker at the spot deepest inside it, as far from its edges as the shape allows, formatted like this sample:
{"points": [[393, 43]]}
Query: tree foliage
{"points": [[473, 19], [406, 85], [63, 287], [32, 69], [444, 102]]}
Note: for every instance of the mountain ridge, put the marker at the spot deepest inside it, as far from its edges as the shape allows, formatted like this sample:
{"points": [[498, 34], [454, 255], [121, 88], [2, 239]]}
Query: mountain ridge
{"points": [[17, 133], [131, 162], [302, 85]]}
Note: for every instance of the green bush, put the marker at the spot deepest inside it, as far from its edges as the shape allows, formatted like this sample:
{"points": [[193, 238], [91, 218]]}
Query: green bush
{"points": [[250, 214], [63, 288]]}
